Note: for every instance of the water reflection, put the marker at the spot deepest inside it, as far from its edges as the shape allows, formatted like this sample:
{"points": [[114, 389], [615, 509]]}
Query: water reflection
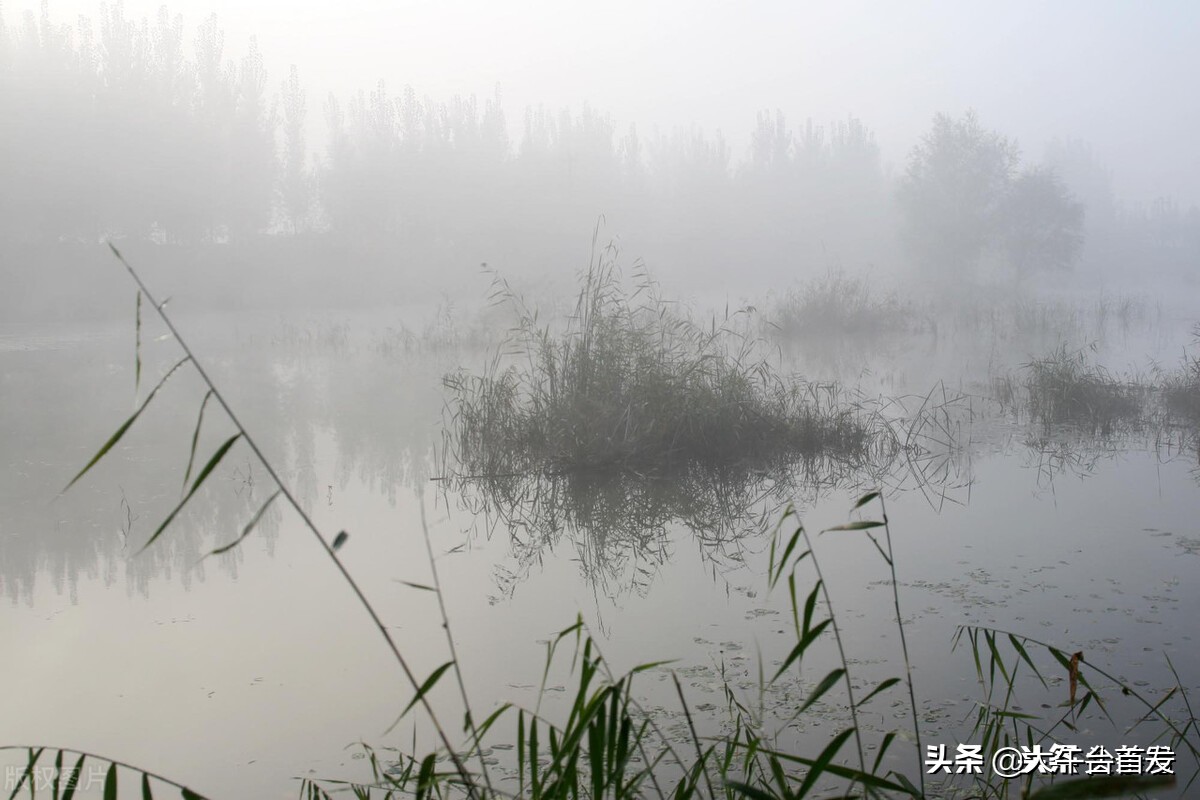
{"points": [[1078, 452], [618, 524], [332, 411]]}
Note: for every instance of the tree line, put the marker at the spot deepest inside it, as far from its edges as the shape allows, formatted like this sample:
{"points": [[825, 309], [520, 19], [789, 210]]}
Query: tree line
{"points": [[133, 129]]}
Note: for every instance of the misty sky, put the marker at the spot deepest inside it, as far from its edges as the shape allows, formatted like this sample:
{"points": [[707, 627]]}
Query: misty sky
{"points": [[1120, 75]]}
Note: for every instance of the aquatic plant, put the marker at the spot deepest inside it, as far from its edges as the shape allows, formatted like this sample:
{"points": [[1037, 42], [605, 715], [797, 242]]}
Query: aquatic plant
{"points": [[837, 306], [1063, 387], [1010, 664], [1181, 388], [1126, 311], [631, 383]]}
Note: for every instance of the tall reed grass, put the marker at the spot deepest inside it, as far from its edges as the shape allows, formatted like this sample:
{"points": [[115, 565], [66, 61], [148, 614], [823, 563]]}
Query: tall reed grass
{"points": [[839, 306], [1182, 386], [631, 383], [1064, 387]]}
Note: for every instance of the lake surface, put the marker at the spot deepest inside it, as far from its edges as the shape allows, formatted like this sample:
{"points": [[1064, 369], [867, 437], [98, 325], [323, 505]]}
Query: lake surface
{"points": [[239, 673]]}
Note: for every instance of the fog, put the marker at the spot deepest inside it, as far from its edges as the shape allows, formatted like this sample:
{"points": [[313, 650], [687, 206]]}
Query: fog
{"points": [[449, 135], [1106, 72], [572, 304]]}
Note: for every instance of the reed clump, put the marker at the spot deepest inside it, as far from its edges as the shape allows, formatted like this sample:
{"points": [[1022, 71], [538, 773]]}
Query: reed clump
{"points": [[838, 305], [631, 383], [1181, 388], [1065, 387]]}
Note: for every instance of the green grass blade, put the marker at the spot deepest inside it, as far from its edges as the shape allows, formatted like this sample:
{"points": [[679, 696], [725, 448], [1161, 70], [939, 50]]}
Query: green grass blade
{"points": [[857, 525], [204, 473], [866, 498], [486, 725], [1003, 714], [116, 437], [212, 462], [996, 660], [429, 683], [887, 684], [883, 748], [810, 607], [827, 683], [110, 783], [535, 785], [908, 785], [818, 767], [58, 768], [146, 793], [425, 775], [27, 775], [866, 779], [421, 586], [249, 525], [801, 646], [520, 752], [787, 551], [73, 781], [195, 439], [1020, 648]]}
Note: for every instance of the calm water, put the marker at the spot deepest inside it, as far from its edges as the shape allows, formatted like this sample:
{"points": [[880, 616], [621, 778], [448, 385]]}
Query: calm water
{"points": [[237, 674]]}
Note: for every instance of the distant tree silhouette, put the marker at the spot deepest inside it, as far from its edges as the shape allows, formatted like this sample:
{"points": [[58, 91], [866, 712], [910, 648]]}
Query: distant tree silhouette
{"points": [[953, 195], [295, 189], [1042, 224], [962, 197], [115, 131]]}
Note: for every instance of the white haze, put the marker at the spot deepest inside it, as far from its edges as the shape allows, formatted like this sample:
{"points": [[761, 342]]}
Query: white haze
{"points": [[1119, 75]]}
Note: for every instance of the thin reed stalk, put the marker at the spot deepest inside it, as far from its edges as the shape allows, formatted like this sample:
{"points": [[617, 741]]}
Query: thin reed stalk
{"points": [[327, 547]]}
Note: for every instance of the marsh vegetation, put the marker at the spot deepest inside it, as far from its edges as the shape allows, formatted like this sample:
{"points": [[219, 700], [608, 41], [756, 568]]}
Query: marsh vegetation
{"points": [[839, 306], [631, 383]]}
